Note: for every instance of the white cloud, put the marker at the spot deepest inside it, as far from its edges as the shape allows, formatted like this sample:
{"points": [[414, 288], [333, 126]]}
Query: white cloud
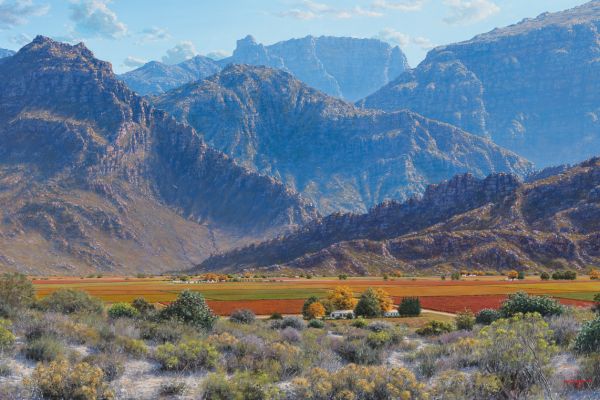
{"points": [[406, 5], [218, 54], [133, 62], [183, 51], [308, 9], [153, 34], [394, 37], [93, 18], [21, 39], [423, 42], [469, 11], [17, 12]]}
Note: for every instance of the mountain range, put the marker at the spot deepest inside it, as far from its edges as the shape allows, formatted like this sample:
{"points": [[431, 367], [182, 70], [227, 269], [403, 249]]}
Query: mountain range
{"points": [[343, 67], [92, 177], [6, 53], [497, 224], [532, 87], [338, 156]]}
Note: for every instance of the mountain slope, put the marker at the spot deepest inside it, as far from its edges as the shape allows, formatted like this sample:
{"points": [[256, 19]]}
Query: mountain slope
{"points": [[6, 53], [532, 87], [343, 67], [494, 224], [340, 157], [156, 77], [93, 177]]}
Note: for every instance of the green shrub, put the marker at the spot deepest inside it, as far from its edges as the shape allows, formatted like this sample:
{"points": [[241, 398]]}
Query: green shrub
{"points": [[242, 385], [63, 380], [564, 275], [521, 275], [165, 331], [134, 347], [523, 303], [306, 305], [145, 310], [176, 388], [16, 293], [317, 324], [187, 355], [242, 316], [288, 322], [517, 350], [5, 371], [276, 316], [358, 351], [590, 368], [7, 339], [588, 339], [44, 349], [69, 301], [455, 276], [434, 328], [122, 310], [359, 323], [190, 308], [456, 385], [368, 305], [410, 307], [112, 365], [465, 321], [544, 276], [487, 316]]}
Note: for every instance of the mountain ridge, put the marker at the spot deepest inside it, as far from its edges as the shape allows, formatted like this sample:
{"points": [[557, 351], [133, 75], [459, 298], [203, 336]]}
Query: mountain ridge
{"points": [[340, 157]]}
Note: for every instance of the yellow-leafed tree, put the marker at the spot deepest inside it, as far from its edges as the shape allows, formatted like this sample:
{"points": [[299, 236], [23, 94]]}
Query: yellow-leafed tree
{"points": [[342, 298]]}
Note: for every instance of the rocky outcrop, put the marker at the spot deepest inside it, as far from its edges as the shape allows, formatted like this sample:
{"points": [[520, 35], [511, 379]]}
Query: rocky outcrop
{"points": [[156, 77], [492, 225], [94, 177], [531, 87], [340, 157], [347, 68]]}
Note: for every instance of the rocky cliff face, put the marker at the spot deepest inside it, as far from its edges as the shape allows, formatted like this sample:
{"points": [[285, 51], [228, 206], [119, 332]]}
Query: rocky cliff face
{"points": [[494, 224], [93, 177], [342, 67], [531, 87], [156, 77], [340, 157]]}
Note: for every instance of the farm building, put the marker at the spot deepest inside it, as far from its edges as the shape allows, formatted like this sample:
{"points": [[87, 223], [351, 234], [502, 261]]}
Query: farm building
{"points": [[342, 314]]}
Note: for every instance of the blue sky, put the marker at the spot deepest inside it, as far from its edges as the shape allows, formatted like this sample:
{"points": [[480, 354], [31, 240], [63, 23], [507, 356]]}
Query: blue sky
{"points": [[130, 32]]}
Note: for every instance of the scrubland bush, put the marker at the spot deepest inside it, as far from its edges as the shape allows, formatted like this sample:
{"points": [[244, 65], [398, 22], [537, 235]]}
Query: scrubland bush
{"points": [[456, 385], [242, 316], [434, 328], [590, 369], [68, 301], [111, 364], [133, 347], [518, 351], [145, 310], [218, 386], [465, 320], [176, 388], [588, 339], [163, 332], [358, 351], [565, 328], [190, 308], [223, 341], [487, 316], [5, 371], [44, 348], [16, 293], [291, 322], [63, 380], [315, 323], [523, 303], [187, 355], [410, 307], [358, 382], [544, 276], [291, 335], [359, 323], [122, 310], [7, 339]]}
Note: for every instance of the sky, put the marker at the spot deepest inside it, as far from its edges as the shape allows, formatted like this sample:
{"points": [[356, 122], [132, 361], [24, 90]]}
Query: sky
{"points": [[129, 33]]}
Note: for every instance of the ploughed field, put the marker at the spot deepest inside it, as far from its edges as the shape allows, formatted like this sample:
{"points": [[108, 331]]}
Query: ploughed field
{"points": [[286, 295]]}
